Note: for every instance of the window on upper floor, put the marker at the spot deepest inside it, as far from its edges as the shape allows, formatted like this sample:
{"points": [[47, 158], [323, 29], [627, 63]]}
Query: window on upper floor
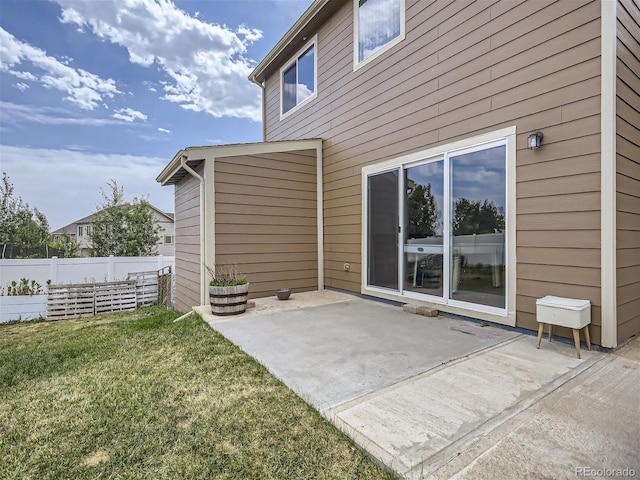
{"points": [[298, 78], [80, 231], [168, 239], [379, 24]]}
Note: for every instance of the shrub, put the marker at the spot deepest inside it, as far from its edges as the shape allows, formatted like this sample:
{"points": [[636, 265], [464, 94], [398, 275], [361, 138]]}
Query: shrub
{"points": [[25, 287]]}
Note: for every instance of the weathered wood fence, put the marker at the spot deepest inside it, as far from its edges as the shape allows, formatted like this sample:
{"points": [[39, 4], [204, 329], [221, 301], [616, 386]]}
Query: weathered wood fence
{"points": [[90, 299], [141, 289], [146, 287]]}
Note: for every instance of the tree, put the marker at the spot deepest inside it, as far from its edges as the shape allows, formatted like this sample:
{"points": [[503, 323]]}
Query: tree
{"points": [[423, 212], [123, 229], [20, 227], [477, 218], [67, 245]]}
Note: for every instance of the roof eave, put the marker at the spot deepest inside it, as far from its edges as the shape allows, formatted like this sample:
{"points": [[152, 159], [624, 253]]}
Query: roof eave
{"points": [[171, 168], [257, 76]]}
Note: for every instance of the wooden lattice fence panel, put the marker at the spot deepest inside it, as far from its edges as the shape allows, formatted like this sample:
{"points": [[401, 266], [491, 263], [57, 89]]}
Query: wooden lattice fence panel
{"points": [[90, 299], [70, 301], [115, 296], [146, 287]]}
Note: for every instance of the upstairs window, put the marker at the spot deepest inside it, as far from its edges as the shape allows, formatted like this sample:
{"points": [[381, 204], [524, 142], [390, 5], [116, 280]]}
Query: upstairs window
{"points": [[298, 78], [379, 24]]}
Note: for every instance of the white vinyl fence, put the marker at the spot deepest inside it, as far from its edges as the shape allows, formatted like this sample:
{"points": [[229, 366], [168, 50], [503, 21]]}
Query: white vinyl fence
{"points": [[78, 270], [62, 271]]}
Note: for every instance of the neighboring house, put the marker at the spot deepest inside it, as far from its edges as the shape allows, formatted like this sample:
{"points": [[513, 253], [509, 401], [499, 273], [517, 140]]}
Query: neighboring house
{"points": [[80, 231], [396, 164]]}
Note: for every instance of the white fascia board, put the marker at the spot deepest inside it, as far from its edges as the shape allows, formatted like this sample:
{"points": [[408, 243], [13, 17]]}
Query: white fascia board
{"points": [[234, 150]]}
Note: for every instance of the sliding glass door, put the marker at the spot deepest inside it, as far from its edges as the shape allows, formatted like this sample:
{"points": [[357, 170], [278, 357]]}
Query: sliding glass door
{"points": [[436, 228]]}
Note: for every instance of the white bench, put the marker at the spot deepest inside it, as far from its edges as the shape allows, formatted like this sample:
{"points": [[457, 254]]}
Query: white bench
{"points": [[564, 312]]}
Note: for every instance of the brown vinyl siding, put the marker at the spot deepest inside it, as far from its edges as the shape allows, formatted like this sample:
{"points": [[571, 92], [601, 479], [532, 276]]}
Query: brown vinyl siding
{"points": [[187, 247], [628, 168], [266, 219], [465, 69]]}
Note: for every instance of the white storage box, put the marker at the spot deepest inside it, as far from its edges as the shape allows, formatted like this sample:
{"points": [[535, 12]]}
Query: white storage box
{"points": [[564, 312]]}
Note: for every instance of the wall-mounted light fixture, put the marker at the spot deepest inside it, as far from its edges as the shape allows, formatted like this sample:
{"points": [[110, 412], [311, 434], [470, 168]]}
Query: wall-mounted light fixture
{"points": [[535, 140]]}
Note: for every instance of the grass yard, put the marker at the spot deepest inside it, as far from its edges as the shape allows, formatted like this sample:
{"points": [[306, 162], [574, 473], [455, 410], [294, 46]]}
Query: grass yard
{"points": [[137, 396]]}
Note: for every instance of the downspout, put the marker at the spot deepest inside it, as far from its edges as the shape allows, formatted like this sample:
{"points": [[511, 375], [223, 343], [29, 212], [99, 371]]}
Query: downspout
{"points": [[203, 278], [264, 105]]}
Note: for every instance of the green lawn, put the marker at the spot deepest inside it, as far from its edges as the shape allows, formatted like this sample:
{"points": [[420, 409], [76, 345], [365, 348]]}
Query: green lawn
{"points": [[137, 396]]}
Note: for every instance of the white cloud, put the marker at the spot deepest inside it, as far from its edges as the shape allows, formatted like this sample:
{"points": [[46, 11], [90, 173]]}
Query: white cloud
{"points": [[163, 130], [23, 75], [129, 115], [21, 86], [205, 62], [84, 89], [65, 183], [250, 34], [50, 116]]}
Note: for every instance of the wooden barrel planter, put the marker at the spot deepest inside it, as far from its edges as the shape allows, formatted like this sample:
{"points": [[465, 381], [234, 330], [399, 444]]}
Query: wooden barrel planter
{"points": [[229, 300]]}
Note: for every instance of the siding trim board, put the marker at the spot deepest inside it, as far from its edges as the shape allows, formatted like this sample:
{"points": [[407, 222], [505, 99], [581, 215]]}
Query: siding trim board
{"points": [[608, 227]]}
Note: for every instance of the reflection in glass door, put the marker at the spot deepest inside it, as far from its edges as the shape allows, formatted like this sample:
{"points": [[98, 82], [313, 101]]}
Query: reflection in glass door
{"points": [[423, 245], [383, 225], [478, 201]]}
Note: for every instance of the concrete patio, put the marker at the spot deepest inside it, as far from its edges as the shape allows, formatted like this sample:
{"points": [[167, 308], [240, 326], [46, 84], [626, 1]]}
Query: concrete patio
{"points": [[445, 397]]}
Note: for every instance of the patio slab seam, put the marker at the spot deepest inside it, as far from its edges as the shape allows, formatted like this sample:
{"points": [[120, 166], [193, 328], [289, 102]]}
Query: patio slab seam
{"points": [[426, 373]]}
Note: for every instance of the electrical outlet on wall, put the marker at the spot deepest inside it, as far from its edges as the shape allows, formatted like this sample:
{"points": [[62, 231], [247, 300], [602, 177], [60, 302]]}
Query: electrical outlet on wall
{"points": [[347, 267]]}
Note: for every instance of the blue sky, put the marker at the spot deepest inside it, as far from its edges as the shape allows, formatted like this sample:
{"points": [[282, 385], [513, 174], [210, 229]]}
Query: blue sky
{"points": [[94, 90]]}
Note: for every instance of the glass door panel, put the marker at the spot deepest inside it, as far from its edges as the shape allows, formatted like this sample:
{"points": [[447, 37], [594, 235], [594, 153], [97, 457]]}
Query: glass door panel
{"points": [[478, 201], [423, 238], [383, 226]]}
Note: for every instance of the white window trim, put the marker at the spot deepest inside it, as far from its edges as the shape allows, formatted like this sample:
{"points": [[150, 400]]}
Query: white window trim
{"points": [[294, 59], [506, 316], [357, 64]]}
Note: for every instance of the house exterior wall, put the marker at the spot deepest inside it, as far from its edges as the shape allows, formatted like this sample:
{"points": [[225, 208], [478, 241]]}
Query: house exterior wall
{"points": [[84, 240], [266, 219], [187, 248], [467, 68], [167, 229], [628, 168]]}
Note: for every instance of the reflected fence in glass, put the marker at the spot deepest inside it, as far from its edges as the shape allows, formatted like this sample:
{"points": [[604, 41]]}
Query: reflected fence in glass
{"points": [[478, 269]]}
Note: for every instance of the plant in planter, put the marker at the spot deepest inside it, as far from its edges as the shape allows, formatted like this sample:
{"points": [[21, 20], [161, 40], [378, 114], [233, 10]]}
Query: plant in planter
{"points": [[228, 290], [23, 300]]}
